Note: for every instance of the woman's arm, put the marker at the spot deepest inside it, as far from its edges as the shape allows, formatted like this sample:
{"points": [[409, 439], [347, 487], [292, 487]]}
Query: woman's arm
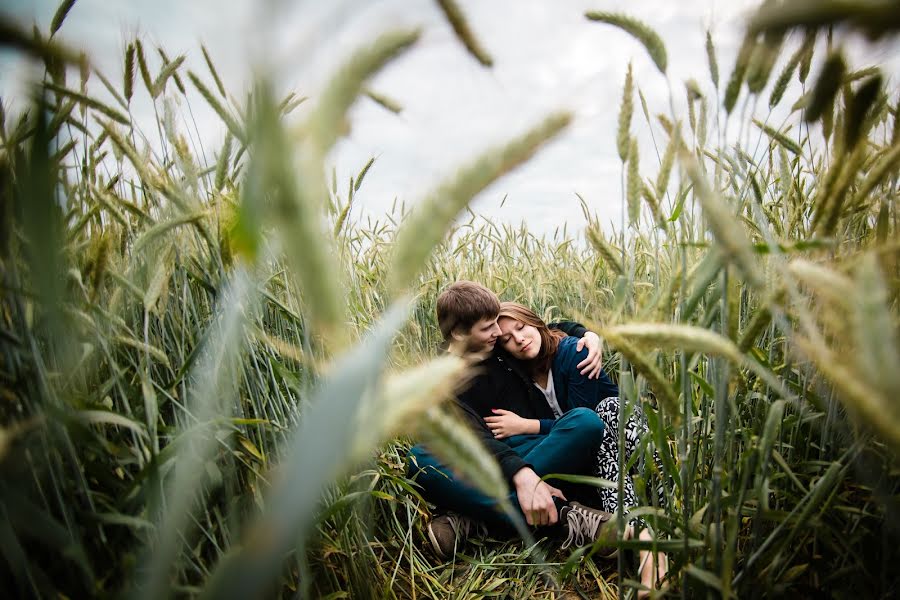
{"points": [[582, 390], [506, 423], [593, 362]]}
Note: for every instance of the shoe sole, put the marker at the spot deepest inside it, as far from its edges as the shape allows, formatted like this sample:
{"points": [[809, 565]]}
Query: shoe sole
{"points": [[434, 544]]}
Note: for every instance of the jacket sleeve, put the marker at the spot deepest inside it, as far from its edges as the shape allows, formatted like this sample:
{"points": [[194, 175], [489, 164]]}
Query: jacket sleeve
{"points": [[570, 328], [510, 462], [581, 390]]}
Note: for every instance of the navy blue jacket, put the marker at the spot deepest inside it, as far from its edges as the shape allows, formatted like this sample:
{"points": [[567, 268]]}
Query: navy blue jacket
{"points": [[574, 390]]}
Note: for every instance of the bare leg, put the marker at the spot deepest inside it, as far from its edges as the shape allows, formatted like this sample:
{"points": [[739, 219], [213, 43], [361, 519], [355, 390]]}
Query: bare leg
{"points": [[653, 567]]}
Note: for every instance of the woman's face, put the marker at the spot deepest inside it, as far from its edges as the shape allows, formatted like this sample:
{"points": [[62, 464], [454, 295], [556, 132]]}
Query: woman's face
{"points": [[521, 340]]}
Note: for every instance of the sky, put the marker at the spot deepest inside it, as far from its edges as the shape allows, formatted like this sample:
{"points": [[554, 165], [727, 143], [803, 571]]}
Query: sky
{"points": [[547, 57]]}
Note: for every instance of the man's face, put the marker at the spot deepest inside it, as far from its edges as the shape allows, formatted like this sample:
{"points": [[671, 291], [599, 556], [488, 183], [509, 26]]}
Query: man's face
{"points": [[481, 338]]}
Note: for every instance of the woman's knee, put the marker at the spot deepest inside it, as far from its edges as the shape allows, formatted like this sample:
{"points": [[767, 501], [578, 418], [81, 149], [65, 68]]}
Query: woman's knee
{"points": [[586, 421]]}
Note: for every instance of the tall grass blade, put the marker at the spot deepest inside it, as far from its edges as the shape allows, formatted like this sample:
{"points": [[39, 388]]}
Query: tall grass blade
{"points": [[211, 398], [726, 230], [90, 103], [319, 452], [213, 72], [226, 117], [428, 223], [877, 355]]}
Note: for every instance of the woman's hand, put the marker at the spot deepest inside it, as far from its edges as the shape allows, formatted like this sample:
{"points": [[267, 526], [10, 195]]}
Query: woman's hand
{"points": [[593, 363], [508, 423]]}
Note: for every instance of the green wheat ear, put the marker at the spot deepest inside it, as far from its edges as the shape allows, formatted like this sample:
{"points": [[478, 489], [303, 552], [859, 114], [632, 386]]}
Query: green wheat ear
{"points": [[227, 118], [61, 13], [89, 102], [827, 86], [884, 165], [327, 120], [779, 137], [169, 70], [463, 32], [212, 71], [711, 59], [644, 365], [405, 398], [637, 29], [143, 68], [633, 185], [666, 163], [455, 443], [128, 76], [733, 89], [763, 60], [384, 101], [624, 134], [602, 247], [784, 78]]}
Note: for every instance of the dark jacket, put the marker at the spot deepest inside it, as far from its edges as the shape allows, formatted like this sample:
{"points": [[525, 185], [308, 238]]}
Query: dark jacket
{"points": [[510, 462]]}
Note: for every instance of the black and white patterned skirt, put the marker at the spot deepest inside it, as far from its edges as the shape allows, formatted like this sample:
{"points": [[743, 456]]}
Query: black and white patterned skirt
{"points": [[607, 464]]}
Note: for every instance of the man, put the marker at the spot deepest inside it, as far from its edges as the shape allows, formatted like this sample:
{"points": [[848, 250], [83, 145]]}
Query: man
{"points": [[467, 315]]}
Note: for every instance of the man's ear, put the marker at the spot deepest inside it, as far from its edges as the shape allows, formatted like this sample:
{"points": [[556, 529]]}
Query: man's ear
{"points": [[458, 335]]}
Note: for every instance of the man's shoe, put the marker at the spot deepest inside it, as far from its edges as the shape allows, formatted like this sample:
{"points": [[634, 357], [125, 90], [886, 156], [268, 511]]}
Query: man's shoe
{"points": [[448, 530], [586, 525]]}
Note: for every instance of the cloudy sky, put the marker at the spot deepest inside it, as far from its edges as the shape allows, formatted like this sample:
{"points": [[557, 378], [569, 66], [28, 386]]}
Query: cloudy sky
{"points": [[547, 57]]}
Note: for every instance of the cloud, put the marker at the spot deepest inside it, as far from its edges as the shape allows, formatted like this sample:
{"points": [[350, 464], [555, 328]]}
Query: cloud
{"points": [[547, 57]]}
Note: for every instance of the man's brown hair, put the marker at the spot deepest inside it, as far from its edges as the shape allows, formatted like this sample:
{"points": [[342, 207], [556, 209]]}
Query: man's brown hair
{"points": [[464, 303]]}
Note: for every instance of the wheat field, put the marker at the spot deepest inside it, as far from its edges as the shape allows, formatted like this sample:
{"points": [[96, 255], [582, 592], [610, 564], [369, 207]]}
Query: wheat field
{"points": [[211, 372]]}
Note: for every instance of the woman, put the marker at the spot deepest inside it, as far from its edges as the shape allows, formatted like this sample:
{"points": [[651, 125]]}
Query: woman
{"points": [[550, 359]]}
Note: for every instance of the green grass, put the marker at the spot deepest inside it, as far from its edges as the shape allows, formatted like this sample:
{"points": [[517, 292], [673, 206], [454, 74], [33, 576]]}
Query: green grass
{"points": [[210, 376]]}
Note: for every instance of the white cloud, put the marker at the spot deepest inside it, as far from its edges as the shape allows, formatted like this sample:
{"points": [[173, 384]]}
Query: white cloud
{"points": [[547, 56]]}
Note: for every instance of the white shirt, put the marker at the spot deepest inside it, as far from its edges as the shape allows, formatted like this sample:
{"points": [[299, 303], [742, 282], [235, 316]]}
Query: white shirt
{"points": [[550, 395]]}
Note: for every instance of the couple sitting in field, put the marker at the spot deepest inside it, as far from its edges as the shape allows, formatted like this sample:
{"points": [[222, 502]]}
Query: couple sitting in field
{"points": [[541, 404]]}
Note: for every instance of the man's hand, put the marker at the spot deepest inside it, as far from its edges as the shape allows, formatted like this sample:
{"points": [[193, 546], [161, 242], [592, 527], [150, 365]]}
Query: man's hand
{"points": [[536, 497], [591, 365], [508, 423]]}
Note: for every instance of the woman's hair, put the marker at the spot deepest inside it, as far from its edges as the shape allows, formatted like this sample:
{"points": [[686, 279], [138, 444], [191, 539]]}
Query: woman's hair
{"points": [[549, 337]]}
